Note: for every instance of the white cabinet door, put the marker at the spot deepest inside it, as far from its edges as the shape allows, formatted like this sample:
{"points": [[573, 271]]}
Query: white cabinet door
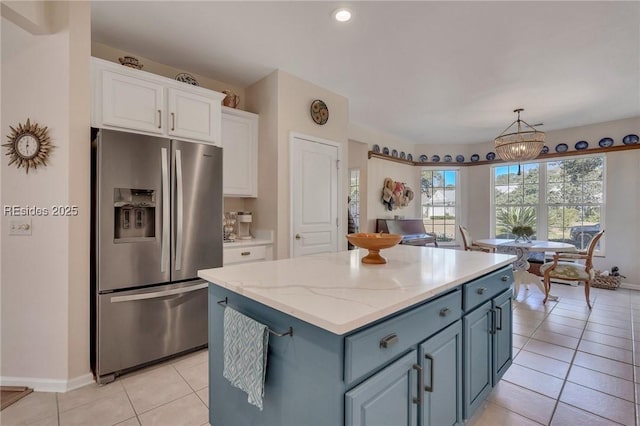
{"points": [[193, 116], [239, 153], [132, 103]]}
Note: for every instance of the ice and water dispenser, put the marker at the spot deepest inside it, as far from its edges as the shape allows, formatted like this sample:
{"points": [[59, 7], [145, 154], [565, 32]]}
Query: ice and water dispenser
{"points": [[134, 215]]}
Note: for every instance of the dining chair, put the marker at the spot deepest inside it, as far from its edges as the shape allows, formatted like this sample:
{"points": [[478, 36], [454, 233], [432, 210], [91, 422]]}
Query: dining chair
{"points": [[469, 245], [572, 271]]}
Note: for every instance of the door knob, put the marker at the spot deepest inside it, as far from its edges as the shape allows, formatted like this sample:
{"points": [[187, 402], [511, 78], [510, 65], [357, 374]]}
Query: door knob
{"points": [[298, 237]]}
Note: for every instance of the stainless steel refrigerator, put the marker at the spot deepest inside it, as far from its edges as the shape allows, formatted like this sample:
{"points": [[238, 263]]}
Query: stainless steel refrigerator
{"points": [[156, 220]]}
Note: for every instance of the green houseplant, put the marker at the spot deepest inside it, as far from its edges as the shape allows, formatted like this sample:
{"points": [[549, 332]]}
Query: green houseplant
{"points": [[522, 232]]}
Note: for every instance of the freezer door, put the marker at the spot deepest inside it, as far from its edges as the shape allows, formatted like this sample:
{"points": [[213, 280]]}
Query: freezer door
{"points": [[136, 327], [133, 208], [197, 209]]}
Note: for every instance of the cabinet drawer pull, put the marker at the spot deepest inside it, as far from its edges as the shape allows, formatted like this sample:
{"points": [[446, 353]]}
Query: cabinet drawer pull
{"points": [[431, 362], [505, 278], [444, 312], [159, 119], [245, 253], [388, 341], [492, 321], [481, 290], [500, 326], [173, 121], [418, 400]]}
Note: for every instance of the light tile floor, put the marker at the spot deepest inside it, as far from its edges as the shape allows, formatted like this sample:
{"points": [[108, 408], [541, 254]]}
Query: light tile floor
{"points": [[571, 367]]}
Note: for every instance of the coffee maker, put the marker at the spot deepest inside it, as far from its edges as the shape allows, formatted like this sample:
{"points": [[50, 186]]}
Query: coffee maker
{"points": [[244, 223]]}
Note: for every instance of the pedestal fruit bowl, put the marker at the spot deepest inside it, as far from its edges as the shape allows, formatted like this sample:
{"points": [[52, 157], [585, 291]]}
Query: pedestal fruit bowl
{"points": [[374, 243]]}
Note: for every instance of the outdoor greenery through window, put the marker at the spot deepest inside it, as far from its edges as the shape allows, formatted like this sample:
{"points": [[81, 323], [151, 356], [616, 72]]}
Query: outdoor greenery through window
{"points": [[570, 209], [438, 200], [354, 196]]}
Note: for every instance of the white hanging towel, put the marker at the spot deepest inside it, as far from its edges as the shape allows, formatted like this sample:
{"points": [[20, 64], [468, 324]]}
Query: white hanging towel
{"points": [[245, 354]]}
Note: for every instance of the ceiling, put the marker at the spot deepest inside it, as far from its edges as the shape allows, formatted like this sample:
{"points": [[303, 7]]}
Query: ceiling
{"points": [[427, 72]]}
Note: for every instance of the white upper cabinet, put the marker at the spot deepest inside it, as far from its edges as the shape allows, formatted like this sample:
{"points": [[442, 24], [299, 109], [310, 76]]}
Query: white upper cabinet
{"points": [[239, 153], [193, 116], [141, 102]]}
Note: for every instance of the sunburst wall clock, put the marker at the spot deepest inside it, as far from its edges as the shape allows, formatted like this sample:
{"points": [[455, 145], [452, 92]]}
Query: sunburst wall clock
{"points": [[29, 146]]}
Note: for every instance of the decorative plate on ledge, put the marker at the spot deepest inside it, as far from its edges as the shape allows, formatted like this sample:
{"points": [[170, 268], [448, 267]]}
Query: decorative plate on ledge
{"points": [[402, 155], [385, 150], [630, 139], [187, 78], [491, 156], [460, 158], [605, 142], [562, 147], [376, 148], [435, 158], [544, 150], [580, 145], [475, 157], [394, 153], [448, 158], [424, 158], [409, 157]]}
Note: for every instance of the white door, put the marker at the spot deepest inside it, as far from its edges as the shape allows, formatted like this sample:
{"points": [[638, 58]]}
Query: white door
{"points": [[314, 186], [132, 103], [193, 116]]}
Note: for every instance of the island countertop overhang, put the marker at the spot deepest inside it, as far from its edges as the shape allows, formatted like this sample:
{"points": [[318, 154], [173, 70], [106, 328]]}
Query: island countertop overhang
{"points": [[338, 293]]}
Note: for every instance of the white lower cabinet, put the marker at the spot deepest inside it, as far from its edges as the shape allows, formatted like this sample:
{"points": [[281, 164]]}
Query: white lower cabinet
{"points": [[246, 253]]}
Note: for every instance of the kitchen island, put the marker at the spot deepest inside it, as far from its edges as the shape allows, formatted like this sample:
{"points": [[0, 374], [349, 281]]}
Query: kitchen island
{"points": [[420, 340]]}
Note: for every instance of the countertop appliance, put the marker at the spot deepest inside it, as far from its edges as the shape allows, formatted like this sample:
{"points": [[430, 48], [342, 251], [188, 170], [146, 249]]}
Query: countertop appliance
{"points": [[244, 225], [156, 221]]}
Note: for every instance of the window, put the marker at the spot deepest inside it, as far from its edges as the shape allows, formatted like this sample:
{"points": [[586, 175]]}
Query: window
{"points": [[354, 194], [569, 209], [439, 203]]}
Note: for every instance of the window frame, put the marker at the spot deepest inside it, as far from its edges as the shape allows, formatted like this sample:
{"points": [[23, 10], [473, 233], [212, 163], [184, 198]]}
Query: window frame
{"points": [[543, 205], [355, 213], [456, 240]]}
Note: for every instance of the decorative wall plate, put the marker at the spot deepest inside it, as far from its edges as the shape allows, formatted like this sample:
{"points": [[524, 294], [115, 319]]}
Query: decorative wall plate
{"points": [[605, 143], [460, 158], [435, 158], [424, 158], [187, 78], [580, 145], [376, 148], [448, 158], [544, 150], [394, 153], [319, 112], [475, 157], [409, 157], [630, 139], [402, 155], [385, 150], [491, 156], [562, 147]]}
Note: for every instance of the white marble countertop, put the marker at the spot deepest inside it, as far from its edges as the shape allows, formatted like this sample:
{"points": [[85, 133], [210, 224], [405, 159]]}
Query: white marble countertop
{"points": [[338, 293]]}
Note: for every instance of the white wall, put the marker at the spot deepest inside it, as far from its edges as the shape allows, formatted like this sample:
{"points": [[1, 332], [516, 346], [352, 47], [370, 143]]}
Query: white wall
{"points": [[45, 276]]}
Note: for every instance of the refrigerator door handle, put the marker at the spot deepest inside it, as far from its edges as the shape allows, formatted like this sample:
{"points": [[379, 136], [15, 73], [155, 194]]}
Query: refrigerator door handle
{"points": [[164, 260], [179, 210], [158, 294]]}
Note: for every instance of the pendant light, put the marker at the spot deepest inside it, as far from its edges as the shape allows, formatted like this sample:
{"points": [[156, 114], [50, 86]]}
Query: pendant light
{"points": [[519, 142]]}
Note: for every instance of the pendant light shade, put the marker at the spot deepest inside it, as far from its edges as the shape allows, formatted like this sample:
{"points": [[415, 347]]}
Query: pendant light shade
{"points": [[520, 141]]}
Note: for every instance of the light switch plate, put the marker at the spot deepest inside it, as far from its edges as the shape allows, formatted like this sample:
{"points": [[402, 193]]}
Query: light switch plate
{"points": [[20, 226]]}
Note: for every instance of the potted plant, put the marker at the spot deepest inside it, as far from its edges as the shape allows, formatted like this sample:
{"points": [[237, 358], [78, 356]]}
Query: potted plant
{"points": [[522, 233]]}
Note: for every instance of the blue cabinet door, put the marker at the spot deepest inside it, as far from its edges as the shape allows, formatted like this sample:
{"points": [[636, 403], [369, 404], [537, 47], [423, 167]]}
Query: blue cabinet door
{"points": [[387, 398], [441, 360], [477, 327], [502, 339]]}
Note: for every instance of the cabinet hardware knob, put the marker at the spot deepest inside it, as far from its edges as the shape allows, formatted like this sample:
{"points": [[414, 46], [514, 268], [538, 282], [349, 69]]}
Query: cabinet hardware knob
{"points": [[245, 253], [505, 278], [481, 290], [388, 341], [444, 312], [298, 237]]}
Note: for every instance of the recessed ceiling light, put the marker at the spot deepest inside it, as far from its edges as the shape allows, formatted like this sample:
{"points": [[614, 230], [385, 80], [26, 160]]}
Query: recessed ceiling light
{"points": [[342, 15]]}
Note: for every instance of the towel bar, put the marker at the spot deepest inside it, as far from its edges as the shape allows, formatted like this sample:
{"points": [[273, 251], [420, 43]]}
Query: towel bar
{"points": [[224, 303]]}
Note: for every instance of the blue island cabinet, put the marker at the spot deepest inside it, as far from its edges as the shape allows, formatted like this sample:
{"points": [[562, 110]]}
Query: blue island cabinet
{"points": [[410, 368]]}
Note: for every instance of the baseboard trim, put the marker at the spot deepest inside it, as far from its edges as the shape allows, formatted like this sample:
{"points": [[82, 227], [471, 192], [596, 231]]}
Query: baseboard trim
{"points": [[630, 286], [48, 385]]}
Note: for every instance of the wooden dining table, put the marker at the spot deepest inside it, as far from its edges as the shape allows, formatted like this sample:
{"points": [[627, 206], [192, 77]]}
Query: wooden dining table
{"points": [[521, 274]]}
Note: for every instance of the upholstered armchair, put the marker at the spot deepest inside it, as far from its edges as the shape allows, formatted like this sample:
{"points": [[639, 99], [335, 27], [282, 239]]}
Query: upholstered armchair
{"points": [[572, 271], [469, 245]]}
